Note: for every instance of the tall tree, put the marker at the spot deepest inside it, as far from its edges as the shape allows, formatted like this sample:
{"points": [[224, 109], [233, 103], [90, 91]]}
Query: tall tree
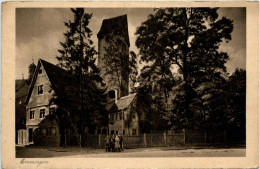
{"points": [[78, 57], [236, 100], [186, 39], [123, 65]]}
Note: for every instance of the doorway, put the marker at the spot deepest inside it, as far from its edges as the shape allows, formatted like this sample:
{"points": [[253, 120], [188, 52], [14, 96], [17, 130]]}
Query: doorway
{"points": [[30, 135]]}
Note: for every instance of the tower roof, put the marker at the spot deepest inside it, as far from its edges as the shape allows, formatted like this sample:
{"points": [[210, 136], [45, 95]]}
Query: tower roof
{"points": [[116, 25]]}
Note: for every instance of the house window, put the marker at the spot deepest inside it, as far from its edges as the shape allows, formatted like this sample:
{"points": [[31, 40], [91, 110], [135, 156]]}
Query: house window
{"points": [[40, 89], [120, 116], [42, 113], [38, 131], [40, 71], [52, 110], [123, 132], [99, 131], [44, 131], [133, 131], [112, 131], [32, 113], [112, 117], [53, 131], [116, 116]]}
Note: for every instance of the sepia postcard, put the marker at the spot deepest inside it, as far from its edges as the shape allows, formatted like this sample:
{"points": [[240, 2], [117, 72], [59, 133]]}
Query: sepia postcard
{"points": [[130, 84]]}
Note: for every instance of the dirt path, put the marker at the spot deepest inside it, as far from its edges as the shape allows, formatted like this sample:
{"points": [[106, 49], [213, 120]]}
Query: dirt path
{"points": [[76, 152]]}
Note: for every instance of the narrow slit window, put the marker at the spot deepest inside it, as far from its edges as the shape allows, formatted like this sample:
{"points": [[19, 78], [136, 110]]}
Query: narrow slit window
{"points": [[40, 89]]}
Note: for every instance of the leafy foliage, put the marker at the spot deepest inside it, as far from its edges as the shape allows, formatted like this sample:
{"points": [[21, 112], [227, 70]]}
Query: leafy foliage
{"points": [[187, 40], [121, 65]]}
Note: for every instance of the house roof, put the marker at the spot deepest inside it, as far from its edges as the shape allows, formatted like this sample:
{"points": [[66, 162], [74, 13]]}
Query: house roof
{"points": [[124, 102], [21, 89], [117, 25], [59, 78]]}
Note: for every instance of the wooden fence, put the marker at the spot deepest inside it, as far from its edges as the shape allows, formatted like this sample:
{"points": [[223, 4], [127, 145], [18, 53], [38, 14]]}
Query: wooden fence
{"points": [[161, 139]]}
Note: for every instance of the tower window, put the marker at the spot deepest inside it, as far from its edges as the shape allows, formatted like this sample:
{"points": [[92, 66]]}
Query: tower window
{"points": [[40, 71], [40, 89], [111, 94]]}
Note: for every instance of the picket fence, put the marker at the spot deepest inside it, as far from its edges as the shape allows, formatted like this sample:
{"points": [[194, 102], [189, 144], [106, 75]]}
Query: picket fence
{"points": [[160, 139]]}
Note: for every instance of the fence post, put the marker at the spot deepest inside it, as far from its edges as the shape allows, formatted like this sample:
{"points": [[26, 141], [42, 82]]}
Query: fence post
{"points": [[205, 137], [225, 136], [164, 138], [151, 138], [144, 139], [65, 141], [99, 140], [184, 141], [80, 140]]}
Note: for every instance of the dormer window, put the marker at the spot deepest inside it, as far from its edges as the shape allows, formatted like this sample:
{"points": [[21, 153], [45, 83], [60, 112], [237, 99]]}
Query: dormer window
{"points": [[40, 89], [40, 71]]}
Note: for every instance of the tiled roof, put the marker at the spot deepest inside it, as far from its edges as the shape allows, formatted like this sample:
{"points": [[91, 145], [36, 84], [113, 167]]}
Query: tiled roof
{"points": [[124, 102], [60, 79], [21, 89], [117, 24]]}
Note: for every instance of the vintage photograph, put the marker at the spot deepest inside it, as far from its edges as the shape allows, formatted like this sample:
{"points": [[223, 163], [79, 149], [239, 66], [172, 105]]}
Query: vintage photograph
{"points": [[130, 82]]}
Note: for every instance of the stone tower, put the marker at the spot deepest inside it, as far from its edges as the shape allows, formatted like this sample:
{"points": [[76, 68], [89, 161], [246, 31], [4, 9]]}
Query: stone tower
{"points": [[117, 26]]}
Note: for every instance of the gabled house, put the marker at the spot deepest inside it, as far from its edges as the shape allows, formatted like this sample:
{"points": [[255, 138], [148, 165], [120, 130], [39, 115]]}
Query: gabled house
{"points": [[124, 116], [52, 89], [21, 90]]}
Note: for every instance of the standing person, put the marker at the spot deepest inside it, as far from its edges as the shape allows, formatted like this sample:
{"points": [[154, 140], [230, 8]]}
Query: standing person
{"points": [[112, 143], [117, 146], [121, 142], [107, 142]]}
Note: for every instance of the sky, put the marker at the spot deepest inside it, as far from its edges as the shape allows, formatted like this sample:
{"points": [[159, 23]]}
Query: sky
{"points": [[39, 32]]}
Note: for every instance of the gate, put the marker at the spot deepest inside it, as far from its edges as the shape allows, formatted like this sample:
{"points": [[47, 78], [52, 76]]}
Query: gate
{"points": [[23, 137]]}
